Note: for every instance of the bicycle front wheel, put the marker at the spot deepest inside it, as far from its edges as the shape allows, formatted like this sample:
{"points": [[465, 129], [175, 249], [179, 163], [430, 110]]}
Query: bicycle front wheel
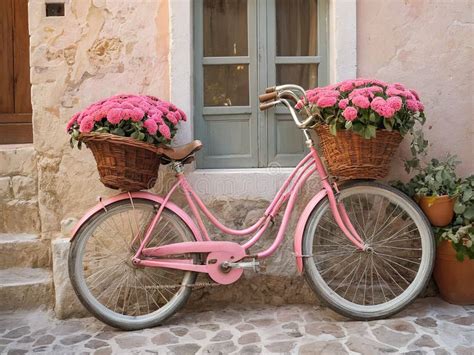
{"points": [[104, 278], [391, 273]]}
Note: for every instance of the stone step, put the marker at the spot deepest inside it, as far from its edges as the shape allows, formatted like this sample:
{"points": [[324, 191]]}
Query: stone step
{"points": [[25, 288], [24, 250]]}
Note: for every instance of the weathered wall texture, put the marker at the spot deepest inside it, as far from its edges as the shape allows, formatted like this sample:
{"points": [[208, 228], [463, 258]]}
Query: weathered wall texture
{"points": [[98, 49], [427, 45]]}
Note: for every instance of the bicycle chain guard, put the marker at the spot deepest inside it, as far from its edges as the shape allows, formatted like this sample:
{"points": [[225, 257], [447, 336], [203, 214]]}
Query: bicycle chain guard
{"points": [[217, 273]]}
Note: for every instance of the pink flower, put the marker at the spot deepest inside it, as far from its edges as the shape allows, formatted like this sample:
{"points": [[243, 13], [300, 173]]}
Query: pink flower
{"points": [[386, 111], [151, 126], [415, 94], [412, 105], [395, 102], [326, 101], [87, 124], [378, 82], [343, 103], [377, 103], [165, 131], [362, 91], [114, 116], [72, 121], [361, 101], [375, 89], [136, 114], [346, 86], [393, 91], [172, 118], [421, 107], [182, 114], [350, 113], [399, 86], [330, 93], [157, 117]]}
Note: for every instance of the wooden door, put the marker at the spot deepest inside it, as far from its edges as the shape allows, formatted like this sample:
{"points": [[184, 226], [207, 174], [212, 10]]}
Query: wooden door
{"points": [[15, 95]]}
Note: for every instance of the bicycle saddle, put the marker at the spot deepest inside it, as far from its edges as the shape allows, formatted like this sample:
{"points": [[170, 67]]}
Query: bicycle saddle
{"points": [[181, 153]]}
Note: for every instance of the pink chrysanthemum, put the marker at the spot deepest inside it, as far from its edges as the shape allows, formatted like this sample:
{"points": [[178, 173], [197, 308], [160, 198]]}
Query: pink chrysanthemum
{"points": [[87, 125], [326, 101], [350, 113], [361, 101], [395, 102], [114, 116], [412, 105], [343, 103], [165, 131], [151, 126]]}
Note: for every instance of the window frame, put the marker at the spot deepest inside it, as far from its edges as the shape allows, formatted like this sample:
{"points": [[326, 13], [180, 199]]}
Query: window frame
{"points": [[264, 127], [342, 60]]}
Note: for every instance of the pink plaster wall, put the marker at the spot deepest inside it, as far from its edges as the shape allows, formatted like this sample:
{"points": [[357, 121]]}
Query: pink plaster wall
{"points": [[427, 45]]}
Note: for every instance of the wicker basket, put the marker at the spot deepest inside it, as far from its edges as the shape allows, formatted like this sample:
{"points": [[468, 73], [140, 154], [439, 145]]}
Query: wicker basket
{"points": [[123, 163], [350, 156]]}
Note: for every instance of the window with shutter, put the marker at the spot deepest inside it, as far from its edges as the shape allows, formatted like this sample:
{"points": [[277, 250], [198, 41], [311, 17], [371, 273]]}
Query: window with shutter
{"points": [[240, 48]]}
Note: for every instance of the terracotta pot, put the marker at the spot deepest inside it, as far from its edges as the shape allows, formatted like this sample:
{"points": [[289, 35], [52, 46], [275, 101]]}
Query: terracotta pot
{"points": [[438, 209], [454, 277]]}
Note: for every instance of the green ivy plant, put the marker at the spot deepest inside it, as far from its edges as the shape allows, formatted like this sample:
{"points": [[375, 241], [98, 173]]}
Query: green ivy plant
{"points": [[437, 178], [461, 231]]}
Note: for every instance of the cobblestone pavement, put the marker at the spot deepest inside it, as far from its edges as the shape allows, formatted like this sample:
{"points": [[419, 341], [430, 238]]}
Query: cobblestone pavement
{"points": [[429, 326]]}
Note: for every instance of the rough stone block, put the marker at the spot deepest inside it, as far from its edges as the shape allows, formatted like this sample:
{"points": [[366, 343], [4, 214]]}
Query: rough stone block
{"points": [[5, 191], [23, 250], [24, 187], [25, 288], [18, 161], [66, 303], [20, 217]]}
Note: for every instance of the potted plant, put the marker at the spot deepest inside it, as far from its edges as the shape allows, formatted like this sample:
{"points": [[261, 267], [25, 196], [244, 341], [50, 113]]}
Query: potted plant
{"points": [[435, 189], [126, 134], [454, 267], [361, 123]]}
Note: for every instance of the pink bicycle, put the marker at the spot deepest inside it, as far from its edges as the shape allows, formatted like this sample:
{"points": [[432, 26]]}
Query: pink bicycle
{"points": [[365, 248]]}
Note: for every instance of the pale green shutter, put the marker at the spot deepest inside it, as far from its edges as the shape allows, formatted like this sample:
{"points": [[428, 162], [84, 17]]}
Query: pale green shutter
{"points": [[238, 135]]}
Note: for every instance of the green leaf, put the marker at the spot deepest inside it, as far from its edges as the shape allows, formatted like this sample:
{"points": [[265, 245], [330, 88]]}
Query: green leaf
{"points": [[388, 124], [118, 131], [469, 213], [348, 125], [459, 208], [333, 129]]}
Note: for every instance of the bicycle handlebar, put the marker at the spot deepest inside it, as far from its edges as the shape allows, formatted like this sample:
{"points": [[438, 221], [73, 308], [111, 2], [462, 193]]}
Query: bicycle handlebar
{"points": [[283, 94]]}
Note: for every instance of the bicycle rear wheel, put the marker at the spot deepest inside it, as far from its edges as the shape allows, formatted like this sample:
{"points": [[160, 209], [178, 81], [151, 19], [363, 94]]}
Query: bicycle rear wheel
{"points": [[109, 285], [382, 280]]}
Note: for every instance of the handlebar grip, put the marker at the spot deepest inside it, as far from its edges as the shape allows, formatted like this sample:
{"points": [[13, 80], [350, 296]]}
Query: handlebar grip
{"points": [[270, 89], [268, 97], [266, 105]]}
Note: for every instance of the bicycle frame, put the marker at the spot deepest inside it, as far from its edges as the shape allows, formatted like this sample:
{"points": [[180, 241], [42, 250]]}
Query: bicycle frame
{"points": [[221, 251]]}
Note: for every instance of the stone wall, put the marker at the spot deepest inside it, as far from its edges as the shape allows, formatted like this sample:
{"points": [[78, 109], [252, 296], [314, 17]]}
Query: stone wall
{"points": [[427, 45], [99, 48], [18, 190]]}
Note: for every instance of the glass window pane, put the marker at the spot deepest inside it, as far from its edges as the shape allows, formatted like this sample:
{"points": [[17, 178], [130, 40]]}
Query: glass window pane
{"points": [[305, 75], [226, 85], [297, 27], [225, 28]]}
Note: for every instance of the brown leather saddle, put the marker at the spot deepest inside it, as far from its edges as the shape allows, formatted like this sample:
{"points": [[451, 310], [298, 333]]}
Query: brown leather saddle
{"points": [[183, 153]]}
